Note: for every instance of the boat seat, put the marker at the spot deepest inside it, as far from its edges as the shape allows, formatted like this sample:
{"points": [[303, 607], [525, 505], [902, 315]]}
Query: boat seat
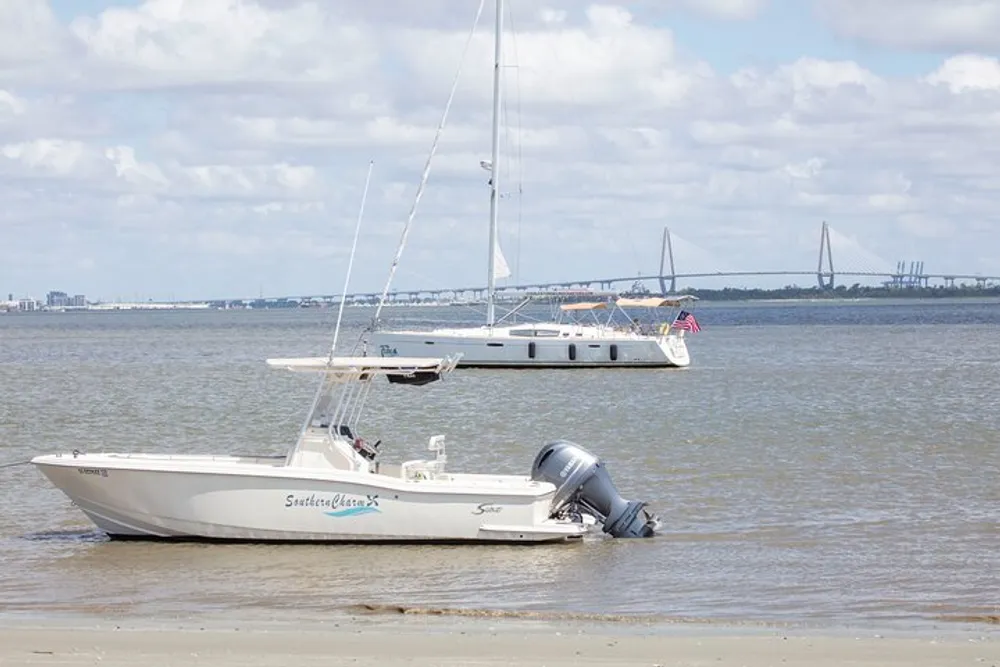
{"points": [[420, 469]]}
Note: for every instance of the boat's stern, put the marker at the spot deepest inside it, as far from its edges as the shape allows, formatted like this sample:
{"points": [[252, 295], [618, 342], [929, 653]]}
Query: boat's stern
{"points": [[674, 348], [546, 531], [585, 490]]}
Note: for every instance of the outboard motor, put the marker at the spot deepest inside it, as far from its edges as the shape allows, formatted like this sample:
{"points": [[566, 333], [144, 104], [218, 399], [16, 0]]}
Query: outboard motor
{"points": [[583, 484]]}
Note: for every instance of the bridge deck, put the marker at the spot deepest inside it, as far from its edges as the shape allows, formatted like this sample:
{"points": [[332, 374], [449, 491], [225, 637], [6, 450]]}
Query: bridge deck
{"points": [[921, 278]]}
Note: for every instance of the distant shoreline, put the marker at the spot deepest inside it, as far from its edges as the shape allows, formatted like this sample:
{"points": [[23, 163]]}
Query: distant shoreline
{"points": [[728, 294]]}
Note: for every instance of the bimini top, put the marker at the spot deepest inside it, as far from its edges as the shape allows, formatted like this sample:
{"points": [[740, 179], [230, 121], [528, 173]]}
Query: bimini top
{"points": [[584, 305], [366, 365], [655, 301]]}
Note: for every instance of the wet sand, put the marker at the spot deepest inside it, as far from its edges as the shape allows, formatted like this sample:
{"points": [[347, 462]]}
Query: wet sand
{"points": [[481, 643]]}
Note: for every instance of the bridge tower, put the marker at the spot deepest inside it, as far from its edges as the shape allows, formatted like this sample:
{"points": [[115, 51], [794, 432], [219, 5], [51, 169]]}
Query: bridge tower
{"points": [[825, 278], [667, 253]]}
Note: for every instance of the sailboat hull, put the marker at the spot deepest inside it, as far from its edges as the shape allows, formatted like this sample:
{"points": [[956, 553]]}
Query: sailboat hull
{"points": [[153, 496], [557, 346]]}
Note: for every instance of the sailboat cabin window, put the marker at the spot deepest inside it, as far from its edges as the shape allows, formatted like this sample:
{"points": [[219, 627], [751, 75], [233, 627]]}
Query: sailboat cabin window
{"points": [[531, 333]]}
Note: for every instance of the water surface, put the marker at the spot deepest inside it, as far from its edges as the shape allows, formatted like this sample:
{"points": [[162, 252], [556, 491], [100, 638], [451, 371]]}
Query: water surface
{"points": [[826, 464]]}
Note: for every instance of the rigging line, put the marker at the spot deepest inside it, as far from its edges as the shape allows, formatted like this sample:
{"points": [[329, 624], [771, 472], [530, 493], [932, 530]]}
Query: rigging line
{"points": [[427, 167], [430, 282], [504, 120], [13, 464], [506, 117], [350, 262], [520, 161]]}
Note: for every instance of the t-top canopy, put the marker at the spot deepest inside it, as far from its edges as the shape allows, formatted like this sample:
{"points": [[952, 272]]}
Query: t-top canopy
{"points": [[584, 305], [654, 301]]}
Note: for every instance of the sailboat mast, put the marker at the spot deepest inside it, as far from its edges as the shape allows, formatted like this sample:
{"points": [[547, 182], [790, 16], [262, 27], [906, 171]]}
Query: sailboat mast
{"points": [[494, 170]]}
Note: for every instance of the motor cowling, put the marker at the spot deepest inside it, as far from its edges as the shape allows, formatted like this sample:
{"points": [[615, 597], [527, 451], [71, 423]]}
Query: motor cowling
{"points": [[583, 485]]}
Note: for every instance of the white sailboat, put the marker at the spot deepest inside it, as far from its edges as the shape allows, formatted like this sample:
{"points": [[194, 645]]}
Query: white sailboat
{"points": [[561, 343], [554, 344]]}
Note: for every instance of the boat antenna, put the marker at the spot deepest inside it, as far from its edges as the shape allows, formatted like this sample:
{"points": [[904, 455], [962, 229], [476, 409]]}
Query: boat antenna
{"points": [[350, 262], [520, 162], [427, 167]]}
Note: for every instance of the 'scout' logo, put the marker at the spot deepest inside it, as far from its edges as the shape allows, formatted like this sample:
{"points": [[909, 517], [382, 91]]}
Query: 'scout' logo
{"points": [[487, 508]]}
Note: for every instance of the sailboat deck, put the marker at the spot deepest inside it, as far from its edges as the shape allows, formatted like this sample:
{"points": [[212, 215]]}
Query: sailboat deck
{"points": [[547, 330]]}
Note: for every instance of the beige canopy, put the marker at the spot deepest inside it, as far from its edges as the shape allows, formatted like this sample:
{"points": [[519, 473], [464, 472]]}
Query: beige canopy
{"points": [[654, 302], [584, 305]]}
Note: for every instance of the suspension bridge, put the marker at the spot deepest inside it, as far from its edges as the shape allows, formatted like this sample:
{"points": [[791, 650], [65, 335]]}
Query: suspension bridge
{"points": [[904, 276], [914, 276]]}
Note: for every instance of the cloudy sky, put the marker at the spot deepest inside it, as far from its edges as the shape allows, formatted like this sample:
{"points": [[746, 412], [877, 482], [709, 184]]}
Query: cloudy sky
{"points": [[218, 148]]}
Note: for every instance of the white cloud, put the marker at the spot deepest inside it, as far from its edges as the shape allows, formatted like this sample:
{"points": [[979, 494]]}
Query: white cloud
{"points": [[11, 105], [127, 167], [968, 72], [28, 33], [607, 57], [730, 10], [932, 25], [211, 146], [227, 180], [927, 226], [241, 244], [56, 157], [805, 170], [551, 16], [164, 42], [117, 169]]}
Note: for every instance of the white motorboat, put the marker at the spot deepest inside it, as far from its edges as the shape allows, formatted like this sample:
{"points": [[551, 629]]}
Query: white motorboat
{"points": [[561, 343], [552, 344], [333, 486]]}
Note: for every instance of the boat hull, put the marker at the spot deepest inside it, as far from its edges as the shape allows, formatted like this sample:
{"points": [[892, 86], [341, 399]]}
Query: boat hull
{"points": [[238, 499], [499, 349]]}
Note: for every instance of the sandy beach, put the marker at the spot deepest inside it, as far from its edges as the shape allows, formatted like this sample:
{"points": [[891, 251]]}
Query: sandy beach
{"points": [[479, 643]]}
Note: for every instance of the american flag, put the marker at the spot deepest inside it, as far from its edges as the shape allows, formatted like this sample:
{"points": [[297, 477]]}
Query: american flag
{"points": [[685, 320]]}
